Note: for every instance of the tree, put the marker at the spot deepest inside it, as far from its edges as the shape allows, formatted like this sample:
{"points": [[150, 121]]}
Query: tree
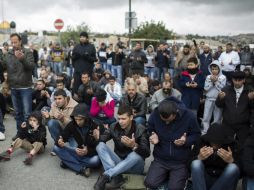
{"points": [[152, 30], [72, 33]]}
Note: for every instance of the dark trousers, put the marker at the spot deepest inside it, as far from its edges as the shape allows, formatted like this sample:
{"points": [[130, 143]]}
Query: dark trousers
{"points": [[159, 173], [77, 82]]}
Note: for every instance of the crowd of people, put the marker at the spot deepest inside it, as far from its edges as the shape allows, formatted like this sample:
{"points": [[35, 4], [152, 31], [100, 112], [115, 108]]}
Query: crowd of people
{"points": [[194, 106]]}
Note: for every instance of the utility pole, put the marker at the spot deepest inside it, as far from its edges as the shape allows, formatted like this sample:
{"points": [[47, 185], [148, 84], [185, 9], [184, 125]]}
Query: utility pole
{"points": [[130, 19]]}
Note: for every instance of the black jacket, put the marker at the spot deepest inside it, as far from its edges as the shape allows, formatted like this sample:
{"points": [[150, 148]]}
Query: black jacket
{"points": [[139, 104], [115, 132], [235, 114], [136, 64], [83, 58], [40, 101], [19, 71], [248, 156], [34, 136], [84, 97], [117, 58], [214, 165]]}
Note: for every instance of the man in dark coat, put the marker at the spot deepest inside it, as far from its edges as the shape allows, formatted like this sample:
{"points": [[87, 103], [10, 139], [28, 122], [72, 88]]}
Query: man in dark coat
{"points": [[215, 161], [83, 57]]}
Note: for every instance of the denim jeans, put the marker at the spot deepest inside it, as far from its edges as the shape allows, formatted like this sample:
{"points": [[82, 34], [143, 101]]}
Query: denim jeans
{"points": [[109, 67], [140, 120], [113, 165], [55, 131], [117, 72], [69, 157], [70, 71], [58, 67], [202, 181], [22, 104], [150, 71], [2, 128], [160, 72], [248, 183], [104, 65]]}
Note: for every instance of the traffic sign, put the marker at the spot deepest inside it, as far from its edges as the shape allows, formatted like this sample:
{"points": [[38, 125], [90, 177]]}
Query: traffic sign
{"points": [[59, 24]]}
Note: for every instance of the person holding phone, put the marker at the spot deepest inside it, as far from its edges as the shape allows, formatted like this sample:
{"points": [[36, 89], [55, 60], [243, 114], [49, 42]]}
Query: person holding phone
{"points": [[19, 63]]}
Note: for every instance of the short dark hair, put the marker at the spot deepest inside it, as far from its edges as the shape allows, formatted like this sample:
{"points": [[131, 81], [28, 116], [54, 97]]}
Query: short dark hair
{"points": [[85, 73], [229, 44], [60, 92], [16, 34], [60, 81], [100, 95], [186, 46], [42, 81], [193, 60], [125, 109], [112, 78], [167, 108]]}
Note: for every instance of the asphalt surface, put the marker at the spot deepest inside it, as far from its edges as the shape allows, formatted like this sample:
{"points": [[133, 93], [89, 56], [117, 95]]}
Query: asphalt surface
{"points": [[45, 172]]}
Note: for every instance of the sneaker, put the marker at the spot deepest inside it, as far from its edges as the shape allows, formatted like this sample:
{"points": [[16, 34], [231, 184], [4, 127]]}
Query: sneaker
{"points": [[5, 156], [28, 160], [102, 180], [52, 153], [115, 182], [2, 136], [85, 172], [63, 165]]}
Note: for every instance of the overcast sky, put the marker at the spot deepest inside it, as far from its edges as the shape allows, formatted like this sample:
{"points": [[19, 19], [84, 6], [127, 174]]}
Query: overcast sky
{"points": [[205, 17]]}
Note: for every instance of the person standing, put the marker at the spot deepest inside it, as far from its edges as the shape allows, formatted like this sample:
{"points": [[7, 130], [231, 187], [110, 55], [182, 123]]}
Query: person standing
{"points": [[83, 58], [19, 63]]}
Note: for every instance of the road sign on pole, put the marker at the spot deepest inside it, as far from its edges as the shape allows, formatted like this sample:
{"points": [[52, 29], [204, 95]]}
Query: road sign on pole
{"points": [[59, 24]]}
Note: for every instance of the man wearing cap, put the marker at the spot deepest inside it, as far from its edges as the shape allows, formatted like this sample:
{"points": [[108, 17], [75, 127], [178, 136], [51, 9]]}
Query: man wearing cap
{"points": [[237, 103], [83, 58], [214, 161], [102, 108]]}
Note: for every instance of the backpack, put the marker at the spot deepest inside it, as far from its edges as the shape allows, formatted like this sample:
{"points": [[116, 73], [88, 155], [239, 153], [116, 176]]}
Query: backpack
{"points": [[133, 182]]}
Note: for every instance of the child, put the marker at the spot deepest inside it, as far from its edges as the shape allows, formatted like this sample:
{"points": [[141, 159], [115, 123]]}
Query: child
{"points": [[192, 84], [32, 138], [213, 85]]}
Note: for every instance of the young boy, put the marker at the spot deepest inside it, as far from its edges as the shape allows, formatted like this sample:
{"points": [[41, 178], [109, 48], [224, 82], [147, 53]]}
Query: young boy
{"points": [[213, 85], [32, 138], [192, 84]]}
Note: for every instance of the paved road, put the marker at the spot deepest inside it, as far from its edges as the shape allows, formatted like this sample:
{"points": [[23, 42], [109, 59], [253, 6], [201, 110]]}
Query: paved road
{"points": [[45, 173]]}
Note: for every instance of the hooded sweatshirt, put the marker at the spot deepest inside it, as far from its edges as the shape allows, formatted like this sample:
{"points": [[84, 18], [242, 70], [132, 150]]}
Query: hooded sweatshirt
{"points": [[185, 122], [213, 88]]}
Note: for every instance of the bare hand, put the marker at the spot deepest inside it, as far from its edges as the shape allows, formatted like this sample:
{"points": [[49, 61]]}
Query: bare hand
{"points": [[227, 156], [23, 125], [154, 139], [19, 54], [205, 152], [45, 114], [222, 95], [60, 142], [96, 133], [181, 141], [82, 151], [251, 95], [129, 142]]}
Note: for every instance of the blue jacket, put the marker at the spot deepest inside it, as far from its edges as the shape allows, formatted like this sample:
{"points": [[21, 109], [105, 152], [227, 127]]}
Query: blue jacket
{"points": [[166, 151], [191, 96], [205, 62]]}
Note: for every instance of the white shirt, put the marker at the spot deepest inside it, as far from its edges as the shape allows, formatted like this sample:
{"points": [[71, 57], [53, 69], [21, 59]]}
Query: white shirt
{"points": [[238, 92], [115, 91], [226, 58]]}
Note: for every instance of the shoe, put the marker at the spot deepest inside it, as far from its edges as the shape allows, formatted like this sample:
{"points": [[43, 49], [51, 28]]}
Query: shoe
{"points": [[102, 180], [85, 172], [115, 183], [2, 136], [52, 153], [63, 165], [28, 160], [5, 156], [15, 137]]}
